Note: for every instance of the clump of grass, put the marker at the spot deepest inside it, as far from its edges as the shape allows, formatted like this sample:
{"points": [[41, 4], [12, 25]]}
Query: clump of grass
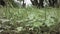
{"points": [[21, 17], [28, 13]]}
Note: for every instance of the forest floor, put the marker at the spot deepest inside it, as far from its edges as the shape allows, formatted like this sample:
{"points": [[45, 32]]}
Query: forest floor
{"points": [[29, 16]]}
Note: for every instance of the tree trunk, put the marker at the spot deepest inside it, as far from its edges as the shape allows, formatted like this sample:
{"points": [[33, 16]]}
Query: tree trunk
{"points": [[24, 4]]}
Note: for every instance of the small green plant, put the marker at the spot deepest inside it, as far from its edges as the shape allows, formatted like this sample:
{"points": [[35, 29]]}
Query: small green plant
{"points": [[31, 17]]}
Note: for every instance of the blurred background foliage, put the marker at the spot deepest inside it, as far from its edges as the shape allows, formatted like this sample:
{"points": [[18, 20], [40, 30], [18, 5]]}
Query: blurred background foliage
{"points": [[29, 20]]}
